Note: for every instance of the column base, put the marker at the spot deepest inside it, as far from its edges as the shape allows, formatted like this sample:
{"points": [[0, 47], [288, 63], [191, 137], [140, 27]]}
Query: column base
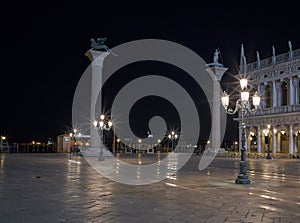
{"points": [[242, 179], [95, 152], [101, 158]]}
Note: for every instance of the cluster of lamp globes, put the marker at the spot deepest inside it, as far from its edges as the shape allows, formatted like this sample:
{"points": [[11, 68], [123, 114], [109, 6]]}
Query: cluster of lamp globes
{"points": [[101, 124], [75, 133], [244, 96], [172, 135]]}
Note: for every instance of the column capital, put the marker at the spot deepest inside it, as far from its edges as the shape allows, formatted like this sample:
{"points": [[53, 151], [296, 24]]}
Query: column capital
{"points": [[96, 57], [278, 85], [263, 88], [217, 72], [295, 81]]}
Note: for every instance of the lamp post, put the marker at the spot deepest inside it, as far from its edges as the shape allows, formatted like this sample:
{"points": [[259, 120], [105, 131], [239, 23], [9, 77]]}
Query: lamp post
{"points": [[118, 144], [158, 145], [104, 125], [73, 135], [267, 140], [172, 137], [139, 141], [243, 105]]}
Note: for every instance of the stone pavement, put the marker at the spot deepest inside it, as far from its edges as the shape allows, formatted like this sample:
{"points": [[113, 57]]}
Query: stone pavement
{"points": [[55, 188]]}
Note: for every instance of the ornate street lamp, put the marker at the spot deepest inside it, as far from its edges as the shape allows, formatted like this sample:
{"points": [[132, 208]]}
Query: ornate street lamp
{"points": [[172, 137], [104, 125], [74, 134], [267, 134], [243, 105]]}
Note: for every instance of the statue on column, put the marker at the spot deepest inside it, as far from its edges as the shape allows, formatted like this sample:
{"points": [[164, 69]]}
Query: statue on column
{"points": [[99, 45], [291, 50], [273, 55], [216, 59], [216, 56], [258, 59]]}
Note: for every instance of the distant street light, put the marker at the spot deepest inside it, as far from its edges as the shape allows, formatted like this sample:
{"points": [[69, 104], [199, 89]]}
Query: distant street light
{"points": [[74, 134], [243, 105], [104, 125], [158, 145], [139, 141], [173, 136], [118, 144]]}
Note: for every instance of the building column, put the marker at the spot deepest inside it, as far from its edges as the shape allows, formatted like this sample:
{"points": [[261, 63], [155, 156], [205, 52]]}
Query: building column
{"points": [[263, 96], [259, 93], [296, 87], [278, 142], [291, 139], [291, 91], [296, 144], [274, 94], [279, 93], [263, 141], [258, 139], [248, 140], [274, 140]]}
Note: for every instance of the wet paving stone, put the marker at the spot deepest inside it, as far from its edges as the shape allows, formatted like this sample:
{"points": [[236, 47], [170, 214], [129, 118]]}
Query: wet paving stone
{"points": [[56, 188]]}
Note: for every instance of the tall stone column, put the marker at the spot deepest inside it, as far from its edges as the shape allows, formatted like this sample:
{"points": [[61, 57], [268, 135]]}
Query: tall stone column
{"points": [[291, 91], [97, 58], [258, 139], [217, 70], [291, 139], [274, 94], [279, 93]]}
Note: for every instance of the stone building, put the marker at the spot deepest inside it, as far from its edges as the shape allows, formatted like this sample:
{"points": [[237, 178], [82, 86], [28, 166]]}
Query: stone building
{"points": [[276, 79]]}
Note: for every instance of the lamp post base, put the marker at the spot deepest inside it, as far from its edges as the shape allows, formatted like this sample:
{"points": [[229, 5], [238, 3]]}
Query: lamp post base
{"points": [[242, 179], [269, 157], [101, 157]]}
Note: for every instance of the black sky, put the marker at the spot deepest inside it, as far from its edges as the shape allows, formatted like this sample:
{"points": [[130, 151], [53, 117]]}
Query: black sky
{"points": [[43, 52]]}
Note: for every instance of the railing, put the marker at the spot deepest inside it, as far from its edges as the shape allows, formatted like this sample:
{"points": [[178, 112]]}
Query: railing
{"points": [[282, 58], [277, 110]]}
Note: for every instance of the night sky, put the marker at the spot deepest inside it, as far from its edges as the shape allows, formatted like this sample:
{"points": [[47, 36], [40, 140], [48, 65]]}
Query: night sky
{"points": [[43, 53]]}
